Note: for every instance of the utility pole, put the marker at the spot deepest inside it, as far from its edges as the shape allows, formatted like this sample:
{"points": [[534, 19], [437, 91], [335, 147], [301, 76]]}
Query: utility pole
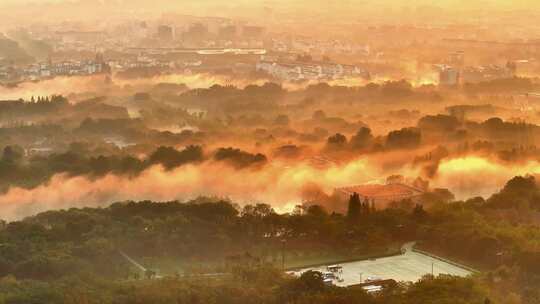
{"points": [[283, 255], [432, 274]]}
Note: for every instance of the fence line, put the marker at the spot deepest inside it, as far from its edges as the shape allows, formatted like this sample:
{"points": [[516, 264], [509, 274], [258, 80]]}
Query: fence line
{"points": [[445, 260]]}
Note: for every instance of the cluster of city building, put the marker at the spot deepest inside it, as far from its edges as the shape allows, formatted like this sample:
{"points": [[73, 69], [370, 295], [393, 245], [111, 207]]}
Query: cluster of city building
{"points": [[192, 32], [278, 69], [276, 63], [188, 44], [184, 44], [450, 76], [310, 70], [50, 69], [454, 72]]}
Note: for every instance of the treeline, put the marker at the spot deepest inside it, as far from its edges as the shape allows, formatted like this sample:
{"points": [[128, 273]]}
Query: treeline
{"points": [[493, 232], [18, 170], [73, 256], [503, 139], [498, 235], [10, 109], [493, 129], [56, 244], [230, 99], [246, 286], [54, 110], [388, 91], [364, 141], [504, 85]]}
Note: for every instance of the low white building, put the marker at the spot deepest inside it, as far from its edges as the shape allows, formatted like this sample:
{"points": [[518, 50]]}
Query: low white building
{"points": [[297, 71]]}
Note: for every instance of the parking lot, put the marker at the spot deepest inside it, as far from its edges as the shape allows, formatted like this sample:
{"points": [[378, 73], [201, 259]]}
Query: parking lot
{"points": [[410, 266]]}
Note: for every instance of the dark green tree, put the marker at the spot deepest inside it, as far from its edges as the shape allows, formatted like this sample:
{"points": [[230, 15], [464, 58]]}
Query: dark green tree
{"points": [[355, 207]]}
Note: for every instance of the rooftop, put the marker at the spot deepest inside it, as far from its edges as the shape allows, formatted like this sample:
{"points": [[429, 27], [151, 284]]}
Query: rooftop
{"points": [[382, 190]]}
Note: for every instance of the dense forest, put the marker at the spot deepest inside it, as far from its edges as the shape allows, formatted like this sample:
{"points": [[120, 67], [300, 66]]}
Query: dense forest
{"points": [[79, 255], [213, 250], [269, 152]]}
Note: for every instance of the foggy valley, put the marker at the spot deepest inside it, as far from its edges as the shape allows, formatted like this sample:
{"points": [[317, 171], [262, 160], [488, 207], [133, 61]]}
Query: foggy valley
{"points": [[269, 151]]}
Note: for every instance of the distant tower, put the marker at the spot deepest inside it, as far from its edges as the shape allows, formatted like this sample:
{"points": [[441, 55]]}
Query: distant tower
{"points": [[457, 59], [512, 67], [449, 77], [99, 58], [165, 33]]}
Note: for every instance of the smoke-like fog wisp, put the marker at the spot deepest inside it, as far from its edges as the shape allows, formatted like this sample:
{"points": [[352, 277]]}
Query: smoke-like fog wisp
{"points": [[279, 185], [476, 176], [274, 184]]}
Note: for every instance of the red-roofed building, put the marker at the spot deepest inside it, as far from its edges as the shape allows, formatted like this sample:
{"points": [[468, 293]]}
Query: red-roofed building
{"points": [[381, 194]]}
